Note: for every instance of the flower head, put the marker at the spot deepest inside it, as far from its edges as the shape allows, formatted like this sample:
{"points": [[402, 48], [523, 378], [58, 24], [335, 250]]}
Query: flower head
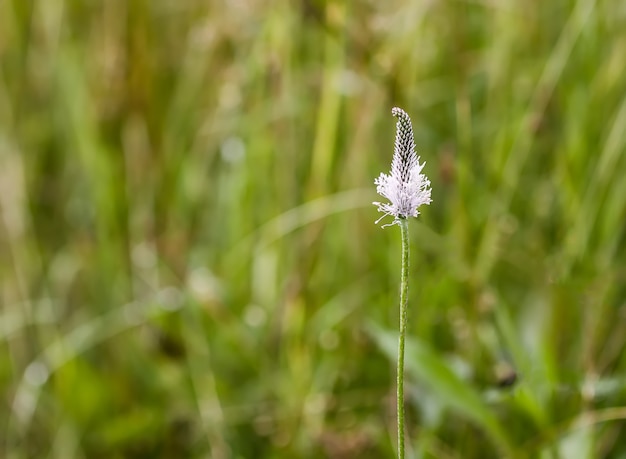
{"points": [[405, 186]]}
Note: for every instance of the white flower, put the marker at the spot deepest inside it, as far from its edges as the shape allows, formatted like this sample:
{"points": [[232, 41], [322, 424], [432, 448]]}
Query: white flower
{"points": [[406, 187]]}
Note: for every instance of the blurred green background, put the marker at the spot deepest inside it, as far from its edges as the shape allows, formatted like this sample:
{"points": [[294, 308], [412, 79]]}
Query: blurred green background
{"points": [[189, 264]]}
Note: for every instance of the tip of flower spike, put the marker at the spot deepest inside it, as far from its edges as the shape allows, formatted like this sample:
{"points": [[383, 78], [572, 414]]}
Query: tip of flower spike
{"points": [[398, 112]]}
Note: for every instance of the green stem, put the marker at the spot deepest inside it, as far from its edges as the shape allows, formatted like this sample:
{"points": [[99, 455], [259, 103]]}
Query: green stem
{"points": [[404, 290]]}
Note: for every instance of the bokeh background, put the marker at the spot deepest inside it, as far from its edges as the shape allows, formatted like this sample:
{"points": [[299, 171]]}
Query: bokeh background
{"points": [[189, 266]]}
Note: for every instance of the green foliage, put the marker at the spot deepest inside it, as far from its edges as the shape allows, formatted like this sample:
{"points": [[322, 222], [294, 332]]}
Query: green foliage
{"points": [[189, 265], [424, 364]]}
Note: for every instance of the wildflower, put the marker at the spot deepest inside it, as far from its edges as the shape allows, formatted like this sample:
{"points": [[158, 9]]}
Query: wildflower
{"points": [[405, 186]]}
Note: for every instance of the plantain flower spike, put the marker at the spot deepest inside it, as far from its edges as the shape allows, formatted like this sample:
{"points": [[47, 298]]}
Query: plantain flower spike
{"points": [[405, 187]]}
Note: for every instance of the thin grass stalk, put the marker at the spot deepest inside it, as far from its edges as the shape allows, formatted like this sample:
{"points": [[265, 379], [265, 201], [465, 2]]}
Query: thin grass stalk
{"points": [[404, 290]]}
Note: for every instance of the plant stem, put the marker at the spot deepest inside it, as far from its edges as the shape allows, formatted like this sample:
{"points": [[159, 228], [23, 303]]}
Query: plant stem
{"points": [[404, 290]]}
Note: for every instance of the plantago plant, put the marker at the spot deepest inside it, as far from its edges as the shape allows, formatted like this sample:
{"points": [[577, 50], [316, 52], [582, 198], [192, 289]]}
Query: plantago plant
{"points": [[407, 189]]}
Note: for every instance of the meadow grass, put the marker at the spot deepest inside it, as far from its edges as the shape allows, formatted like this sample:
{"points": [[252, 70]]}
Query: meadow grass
{"points": [[189, 264]]}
